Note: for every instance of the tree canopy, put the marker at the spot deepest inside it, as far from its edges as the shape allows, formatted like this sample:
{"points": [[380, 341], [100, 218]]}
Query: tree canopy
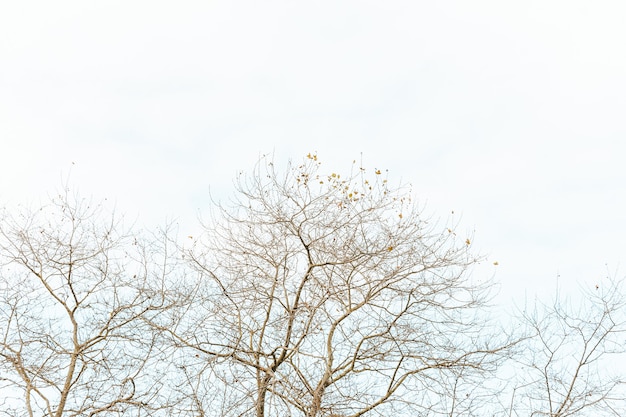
{"points": [[309, 293]]}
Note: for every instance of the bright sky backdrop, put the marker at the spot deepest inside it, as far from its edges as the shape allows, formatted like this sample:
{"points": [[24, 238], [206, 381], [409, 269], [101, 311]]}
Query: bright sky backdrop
{"points": [[512, 114]]}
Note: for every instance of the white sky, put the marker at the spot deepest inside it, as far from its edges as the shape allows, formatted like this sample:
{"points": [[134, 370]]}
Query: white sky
{"points": [[512, 114]]}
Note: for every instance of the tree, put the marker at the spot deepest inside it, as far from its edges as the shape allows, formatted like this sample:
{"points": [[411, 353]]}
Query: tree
{"points": [[569, 365], [325, 295], [309, 294], [74, 300]]}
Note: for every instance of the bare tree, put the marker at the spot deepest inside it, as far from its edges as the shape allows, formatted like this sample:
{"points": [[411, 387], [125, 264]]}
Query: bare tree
{"points": [[574, 364], [325, 295], [73, 302], [311, 294]]}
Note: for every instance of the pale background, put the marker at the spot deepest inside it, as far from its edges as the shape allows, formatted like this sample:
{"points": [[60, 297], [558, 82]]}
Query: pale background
{"points": [[509, 113]]}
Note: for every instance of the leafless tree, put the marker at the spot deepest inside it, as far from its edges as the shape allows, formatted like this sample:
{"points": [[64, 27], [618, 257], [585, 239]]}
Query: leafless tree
{"points": [[74, 299], [325, 295], [574, 363], [310, 294]]}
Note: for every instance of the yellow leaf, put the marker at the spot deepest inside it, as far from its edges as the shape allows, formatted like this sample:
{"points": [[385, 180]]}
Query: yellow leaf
{"points": [[467, 241], [378, 172], [390, 248], [496, 263]]}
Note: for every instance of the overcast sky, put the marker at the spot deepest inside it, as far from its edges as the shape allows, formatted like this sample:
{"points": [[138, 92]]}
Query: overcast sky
{"points": [[512, 114]]}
